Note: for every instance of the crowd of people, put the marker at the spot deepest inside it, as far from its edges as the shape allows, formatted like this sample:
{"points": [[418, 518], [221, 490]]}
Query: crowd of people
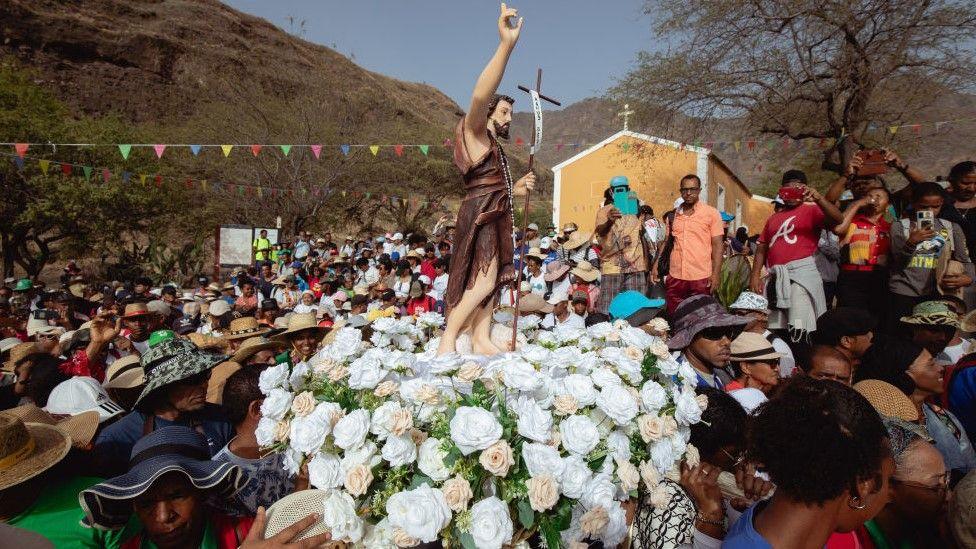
{"points": [[840, 381]]}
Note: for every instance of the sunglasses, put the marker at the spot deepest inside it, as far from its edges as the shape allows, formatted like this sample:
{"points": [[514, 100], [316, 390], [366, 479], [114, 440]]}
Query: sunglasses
{"points": [[716, 333]]}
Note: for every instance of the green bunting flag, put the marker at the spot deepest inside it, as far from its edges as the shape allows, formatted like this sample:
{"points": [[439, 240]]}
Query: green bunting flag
{"points": [[125, 150], [88, 172], [286, 149], [424, 149]]}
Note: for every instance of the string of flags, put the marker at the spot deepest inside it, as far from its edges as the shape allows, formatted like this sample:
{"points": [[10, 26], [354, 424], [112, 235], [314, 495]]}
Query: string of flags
{"points": [[399, 149], [69, 169]]}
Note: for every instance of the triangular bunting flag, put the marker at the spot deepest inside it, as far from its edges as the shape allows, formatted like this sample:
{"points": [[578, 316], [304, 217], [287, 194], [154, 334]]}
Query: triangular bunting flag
{"points": [[398, 149], [316, 150], [447, 143], [19, 161], [260, 193], [188, 184], [45, 165], [709, 145], [88, 172], [106, 175], [255, 149], [424, 149], [125, 150], [737, 145], [142, 178], [159, 150], [893, 129], [559, 146], [240, 190], [638, 147], [126, 176], [203, 184], [625, 146], [786, 143], [519, 141], [374, 149], [159, 181], [66, 169], [195, 149], [21, 149], [226, 149], [285, 149], [344, 149], [751, 145], [917, 129]]}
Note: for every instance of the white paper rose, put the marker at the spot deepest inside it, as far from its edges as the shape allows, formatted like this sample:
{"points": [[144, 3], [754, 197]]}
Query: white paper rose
{"points": [[276, 404], [325, 471], [604, 377], [618, 404], [687, 411], [579, 435], [399, 450], [347, 342], [542, 459], [474, 429], [365, 373], [534, 423], [273, 377], [351, 430], [668, 366], [653, 397], [365, 454], [299, 376], [422, 512], [308, 433], [520, 375], [627, 365], [637, 337], [430, 460], [265, 431], [576, 473], [618, 445], [491, 527], [600, 330], [339, 515], [662, 456], [581, 388]]}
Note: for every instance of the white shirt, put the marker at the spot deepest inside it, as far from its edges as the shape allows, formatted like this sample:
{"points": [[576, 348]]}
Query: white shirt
{"points": [[538, 283], [786, 362], [402, 288], [370, 277], [951, 354], [572, 321], [439, 287]]}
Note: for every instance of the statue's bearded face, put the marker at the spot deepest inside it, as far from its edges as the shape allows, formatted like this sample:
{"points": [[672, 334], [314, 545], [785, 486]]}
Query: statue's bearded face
{"points": [[501, 119]]}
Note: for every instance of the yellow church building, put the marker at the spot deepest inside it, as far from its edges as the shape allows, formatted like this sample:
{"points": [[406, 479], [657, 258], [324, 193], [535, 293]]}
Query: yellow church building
{"points": [[654, 167]]}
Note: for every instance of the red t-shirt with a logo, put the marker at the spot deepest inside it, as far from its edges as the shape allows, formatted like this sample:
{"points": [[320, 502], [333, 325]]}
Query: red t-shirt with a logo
{"points": [[792, 234]]}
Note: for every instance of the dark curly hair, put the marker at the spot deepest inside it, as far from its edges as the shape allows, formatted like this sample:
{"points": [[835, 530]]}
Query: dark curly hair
{"points": [[723, 423], [497, 98], [817, 439]]}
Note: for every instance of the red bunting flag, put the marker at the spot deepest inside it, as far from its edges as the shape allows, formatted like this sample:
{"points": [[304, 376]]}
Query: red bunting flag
{"points": [[398, 149], [159, 150], [66, 169], [316, 150], [106, 175], [255, 149], [751, 145], [21, 149], [159, 180], [519, 141], [917, 129], [559, 146]]}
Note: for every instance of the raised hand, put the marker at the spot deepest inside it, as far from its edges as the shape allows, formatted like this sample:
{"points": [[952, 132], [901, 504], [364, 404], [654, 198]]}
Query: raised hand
{"points": [[525, 184], [508, 33]]}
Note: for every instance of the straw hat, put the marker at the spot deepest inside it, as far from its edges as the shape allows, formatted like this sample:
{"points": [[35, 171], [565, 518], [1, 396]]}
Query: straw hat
{"points": [[20, 353], [218, 378], [536, 252], [80, 427], [207, 342], [753, 347], [533, 303], [252, 346], [585, 271], [968, 322], [299, 322], [577, 239], [28, 449], [133, 310], [293, 508], [887, 399], [125, 373], [555, 270], [245, 327]]}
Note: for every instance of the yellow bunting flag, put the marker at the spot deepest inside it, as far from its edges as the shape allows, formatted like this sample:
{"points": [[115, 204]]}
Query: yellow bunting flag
{"points": [[45, 165], [374, 149], [226, 149]]}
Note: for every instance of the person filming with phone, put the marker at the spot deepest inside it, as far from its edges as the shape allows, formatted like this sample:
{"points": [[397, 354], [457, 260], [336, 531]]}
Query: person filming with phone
{"points": [[787, 243], [623, 256], [928, 255]]}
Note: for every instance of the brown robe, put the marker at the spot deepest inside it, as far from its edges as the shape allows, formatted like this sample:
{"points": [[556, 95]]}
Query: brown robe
{"points": [[485, 223]]}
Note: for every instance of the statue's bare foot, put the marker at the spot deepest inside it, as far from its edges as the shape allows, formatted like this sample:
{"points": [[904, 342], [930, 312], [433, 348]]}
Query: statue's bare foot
{"points": [[446, 346], [484, 347]]}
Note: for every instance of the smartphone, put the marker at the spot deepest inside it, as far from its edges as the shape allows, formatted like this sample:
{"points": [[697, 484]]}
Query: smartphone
{"points": [[872, 162], [624, 199], [45, 314], [925, 219], [791, 194]]}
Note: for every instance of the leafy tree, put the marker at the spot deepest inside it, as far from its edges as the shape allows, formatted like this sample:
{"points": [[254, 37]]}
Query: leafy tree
{"points": [[805, 69]]}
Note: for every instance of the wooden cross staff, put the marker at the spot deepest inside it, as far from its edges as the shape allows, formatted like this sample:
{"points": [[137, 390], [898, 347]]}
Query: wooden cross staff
{"points": [[536, 141]]}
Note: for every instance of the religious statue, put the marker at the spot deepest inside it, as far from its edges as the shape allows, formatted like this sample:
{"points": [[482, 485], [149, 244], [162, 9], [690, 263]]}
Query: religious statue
{"points": [[482, 258]]}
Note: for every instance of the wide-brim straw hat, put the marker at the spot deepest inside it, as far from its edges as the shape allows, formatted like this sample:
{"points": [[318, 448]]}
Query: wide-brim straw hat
{"points": [[536, 253], [108, 505], [533, 303], [300, 322], [968, 322], [585, 271], [125, 373], [577, 239], [753, 347], [555, 269], [887, 399], [20, 353], [138, 308], [218, 378], [29, 449], [252, 346], [80, 427], [245, 327], [293, 508]]}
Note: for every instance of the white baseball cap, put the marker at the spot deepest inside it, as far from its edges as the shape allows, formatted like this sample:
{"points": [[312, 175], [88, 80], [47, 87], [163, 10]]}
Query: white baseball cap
{"points": [[545, 242], [219, 308], [40, 326], [424, 279], [398, 236], [533, 227], [9, 343], [80, 394], [159, 307]]}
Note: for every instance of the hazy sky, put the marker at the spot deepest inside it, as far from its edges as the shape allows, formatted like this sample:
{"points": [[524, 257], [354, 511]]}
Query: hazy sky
{"points": [[580, 45]]}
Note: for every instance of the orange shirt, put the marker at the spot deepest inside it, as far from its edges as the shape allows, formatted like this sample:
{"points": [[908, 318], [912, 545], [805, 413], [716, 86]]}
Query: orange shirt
{"points": [[691, 258]]}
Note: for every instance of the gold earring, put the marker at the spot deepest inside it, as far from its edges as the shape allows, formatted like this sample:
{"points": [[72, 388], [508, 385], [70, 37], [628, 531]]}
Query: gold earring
{"points": [[858, 507]]}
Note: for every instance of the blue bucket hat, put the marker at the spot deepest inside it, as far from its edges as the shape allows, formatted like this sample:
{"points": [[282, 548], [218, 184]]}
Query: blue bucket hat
{"points": [[635, 307], [108, 505]]}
